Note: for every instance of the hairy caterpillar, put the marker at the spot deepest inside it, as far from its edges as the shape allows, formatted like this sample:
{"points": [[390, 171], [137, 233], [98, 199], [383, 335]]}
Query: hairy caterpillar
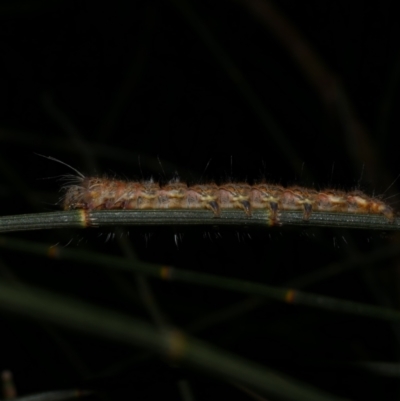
{"points": [[96, 193]]}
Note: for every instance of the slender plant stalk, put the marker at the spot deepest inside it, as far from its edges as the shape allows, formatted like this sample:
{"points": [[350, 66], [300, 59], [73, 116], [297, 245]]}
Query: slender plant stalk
{"points": [[60, 395], [171, 217], [286, 295], [173, 344]]}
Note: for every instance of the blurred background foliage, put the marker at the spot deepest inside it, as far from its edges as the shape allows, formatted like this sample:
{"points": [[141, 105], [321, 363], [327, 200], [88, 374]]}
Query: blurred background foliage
{"points": [[301, 93]]}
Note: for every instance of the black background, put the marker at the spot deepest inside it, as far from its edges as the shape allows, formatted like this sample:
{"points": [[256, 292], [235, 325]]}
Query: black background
{"points": [[205, 88]]}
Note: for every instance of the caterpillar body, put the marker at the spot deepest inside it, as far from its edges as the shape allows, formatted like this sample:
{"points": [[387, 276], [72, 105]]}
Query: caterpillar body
{"points": [[96, 193]]}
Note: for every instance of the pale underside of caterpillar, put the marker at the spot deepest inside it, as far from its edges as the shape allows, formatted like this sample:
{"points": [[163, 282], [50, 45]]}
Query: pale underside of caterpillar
{"points": [[95, 193]]}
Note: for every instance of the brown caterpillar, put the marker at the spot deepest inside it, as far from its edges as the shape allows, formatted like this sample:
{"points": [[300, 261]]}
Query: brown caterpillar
{"points": [[95, 193]]}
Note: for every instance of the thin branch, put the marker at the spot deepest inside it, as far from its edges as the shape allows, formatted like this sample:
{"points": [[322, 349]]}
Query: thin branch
{"points": [[173, 344], [280, 294], [143, 286], [60, 395], [190, 217]]}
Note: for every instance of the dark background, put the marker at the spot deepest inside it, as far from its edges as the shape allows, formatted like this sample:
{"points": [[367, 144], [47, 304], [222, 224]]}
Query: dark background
{"points": [[212, 91]]}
